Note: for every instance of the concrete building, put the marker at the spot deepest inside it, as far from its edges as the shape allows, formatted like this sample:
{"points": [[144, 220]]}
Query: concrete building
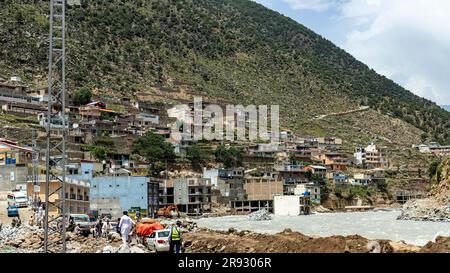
{"points": [[361, 179], [262, 188], [339, 178], [153, 196], [11, 153], [372, 157], [319, 171], [115, 194], [212, 174], [77, 195], [334, 161], [190, 194], [292, 173], [22, 109], [292, 205], [311, 189]]}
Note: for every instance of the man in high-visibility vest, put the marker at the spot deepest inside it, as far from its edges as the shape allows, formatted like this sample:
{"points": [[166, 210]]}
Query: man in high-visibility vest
{"points": [[175, 238]]}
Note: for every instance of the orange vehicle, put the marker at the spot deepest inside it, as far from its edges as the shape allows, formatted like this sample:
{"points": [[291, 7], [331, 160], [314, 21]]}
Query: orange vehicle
{"points": [[169, 211]]}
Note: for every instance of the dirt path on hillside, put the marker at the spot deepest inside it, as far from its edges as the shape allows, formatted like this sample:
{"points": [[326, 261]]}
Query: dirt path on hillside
{"points": [[360, 109]]}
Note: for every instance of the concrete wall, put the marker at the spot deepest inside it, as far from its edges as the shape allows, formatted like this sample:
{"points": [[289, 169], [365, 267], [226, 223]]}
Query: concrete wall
{"points": [[12, 175], [115, 194], [286, 205], [212, 174], [181, 191], [263, 190]]}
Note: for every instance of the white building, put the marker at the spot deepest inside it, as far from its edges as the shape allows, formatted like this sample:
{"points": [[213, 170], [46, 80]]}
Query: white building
{"points": [[290, 205]]}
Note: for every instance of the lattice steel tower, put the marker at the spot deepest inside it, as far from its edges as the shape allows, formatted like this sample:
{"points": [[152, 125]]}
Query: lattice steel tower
{"points": [[57, 126]]}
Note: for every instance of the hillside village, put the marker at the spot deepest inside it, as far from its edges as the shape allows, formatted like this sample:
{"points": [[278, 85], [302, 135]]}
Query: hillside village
{"points": [[108, 172]]}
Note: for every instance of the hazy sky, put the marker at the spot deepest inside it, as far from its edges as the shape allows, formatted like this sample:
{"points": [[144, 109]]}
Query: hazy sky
{"points": [[405, 40]]}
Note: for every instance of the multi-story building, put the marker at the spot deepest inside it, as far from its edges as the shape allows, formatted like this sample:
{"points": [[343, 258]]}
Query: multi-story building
{"points": [[334, 161], [189, 194], [360, 179], [372, 157], [262, 188], [77, 195], [117, 193]]}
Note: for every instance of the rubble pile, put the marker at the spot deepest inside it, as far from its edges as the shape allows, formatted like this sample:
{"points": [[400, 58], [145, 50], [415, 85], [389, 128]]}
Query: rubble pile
{"points": [[260, 215], [435, 208], [425, 210], [231, 241], [28, 239], [187, 225]]}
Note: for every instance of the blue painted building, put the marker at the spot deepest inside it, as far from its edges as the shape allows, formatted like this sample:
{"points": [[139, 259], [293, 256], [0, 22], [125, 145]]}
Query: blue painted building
{"points": [[339, 178], [115, 194]]}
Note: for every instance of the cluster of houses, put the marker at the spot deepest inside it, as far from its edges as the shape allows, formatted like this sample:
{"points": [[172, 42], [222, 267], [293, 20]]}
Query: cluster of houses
{"points": [[289, 172], [434, 148]]}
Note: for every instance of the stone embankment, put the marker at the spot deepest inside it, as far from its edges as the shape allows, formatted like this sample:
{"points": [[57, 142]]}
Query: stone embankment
{"points": [[434, 208]]}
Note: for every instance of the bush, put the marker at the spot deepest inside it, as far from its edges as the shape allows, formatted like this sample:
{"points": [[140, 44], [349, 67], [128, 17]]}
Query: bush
{"points": [[82, 96]]}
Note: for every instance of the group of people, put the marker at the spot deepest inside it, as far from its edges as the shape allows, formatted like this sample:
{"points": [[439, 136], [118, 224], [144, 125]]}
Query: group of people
{"points": [[126, 225], [102, 228], [37, 218]]}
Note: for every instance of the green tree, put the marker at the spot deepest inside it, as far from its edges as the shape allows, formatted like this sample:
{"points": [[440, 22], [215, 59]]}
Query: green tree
{"points": [[99, 153], [434, 170], [230, 157], [154, 149], [82, 96], [197, 156]]}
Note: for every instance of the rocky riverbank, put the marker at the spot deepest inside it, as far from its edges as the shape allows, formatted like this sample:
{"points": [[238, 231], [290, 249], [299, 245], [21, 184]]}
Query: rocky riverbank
{"points": [[425, 210], [437, 206]]}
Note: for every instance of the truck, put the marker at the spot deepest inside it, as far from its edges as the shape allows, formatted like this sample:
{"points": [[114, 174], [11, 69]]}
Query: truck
{"points": [[83, 221], [18, 199]]}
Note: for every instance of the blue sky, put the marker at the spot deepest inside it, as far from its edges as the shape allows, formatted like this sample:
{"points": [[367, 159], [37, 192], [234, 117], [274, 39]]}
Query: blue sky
{"points": [[405, 40]]}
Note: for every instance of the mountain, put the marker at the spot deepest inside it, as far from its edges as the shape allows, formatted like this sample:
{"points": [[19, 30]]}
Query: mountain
{"points": [[235, 51], [446, 107]]}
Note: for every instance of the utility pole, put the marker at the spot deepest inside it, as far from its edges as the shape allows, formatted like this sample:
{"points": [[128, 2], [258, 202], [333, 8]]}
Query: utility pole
{"points": [[56, 122], [35, 166]]}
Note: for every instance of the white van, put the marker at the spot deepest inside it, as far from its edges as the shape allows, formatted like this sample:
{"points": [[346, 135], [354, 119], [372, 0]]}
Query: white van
{"points": [[18, 199]]}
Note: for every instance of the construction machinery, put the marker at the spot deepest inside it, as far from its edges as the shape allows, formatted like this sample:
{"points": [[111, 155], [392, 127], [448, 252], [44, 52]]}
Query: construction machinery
{"points": [[169, 212]]}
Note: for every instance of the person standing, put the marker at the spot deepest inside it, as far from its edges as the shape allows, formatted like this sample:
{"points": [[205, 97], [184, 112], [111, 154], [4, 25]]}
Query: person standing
{"points": [[175, 238], [106, 228], [98, 228], [125, 226]]}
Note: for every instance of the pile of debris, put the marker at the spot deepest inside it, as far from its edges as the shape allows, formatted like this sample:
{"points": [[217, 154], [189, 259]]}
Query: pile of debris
{"points": [[425, 210], [232, 241], [29, 239], [260, 215], [435, 208], [187, 225]]}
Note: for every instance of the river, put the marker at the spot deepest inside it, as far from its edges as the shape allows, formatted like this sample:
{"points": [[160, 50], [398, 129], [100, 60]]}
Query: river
{"points": [[371, 225]]}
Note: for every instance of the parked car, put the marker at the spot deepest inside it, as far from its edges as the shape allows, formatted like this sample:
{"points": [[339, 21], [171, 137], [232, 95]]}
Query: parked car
{"points": [[18, 199], [13, 211], [159, 240], [83, 221], [105, 215]]}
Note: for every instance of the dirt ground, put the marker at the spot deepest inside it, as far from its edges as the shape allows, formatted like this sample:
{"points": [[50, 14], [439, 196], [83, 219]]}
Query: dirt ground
{"points": [[24, 213], [207, 241]]}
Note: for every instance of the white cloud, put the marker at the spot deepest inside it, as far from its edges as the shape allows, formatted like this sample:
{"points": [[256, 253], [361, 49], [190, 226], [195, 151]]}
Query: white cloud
{"points": [[316, 5], [407, 40]]}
